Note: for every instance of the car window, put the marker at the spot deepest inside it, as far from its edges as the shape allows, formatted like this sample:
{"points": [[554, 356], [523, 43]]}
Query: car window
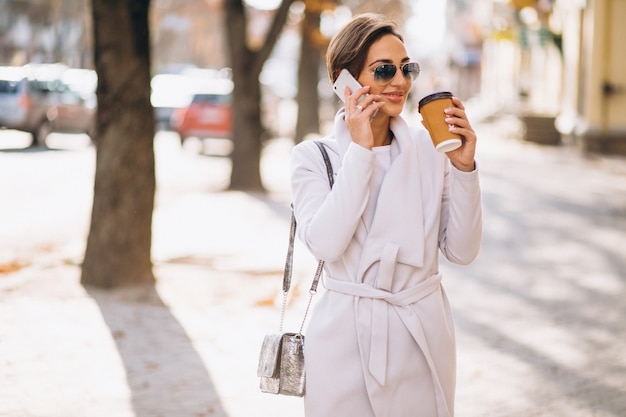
{"points": [[211, 98], [45, 86], [8, 87]]}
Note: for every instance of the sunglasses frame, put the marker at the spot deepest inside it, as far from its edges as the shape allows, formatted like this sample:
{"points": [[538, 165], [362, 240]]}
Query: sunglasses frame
{"points": [[407, 75]]}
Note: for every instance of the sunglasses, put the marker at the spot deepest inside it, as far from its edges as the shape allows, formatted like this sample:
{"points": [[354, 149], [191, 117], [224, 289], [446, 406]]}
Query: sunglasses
{"points": [[384, 73]]}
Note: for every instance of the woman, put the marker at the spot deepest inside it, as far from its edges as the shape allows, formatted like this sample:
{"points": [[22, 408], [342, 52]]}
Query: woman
{"points": [[380, 342]]}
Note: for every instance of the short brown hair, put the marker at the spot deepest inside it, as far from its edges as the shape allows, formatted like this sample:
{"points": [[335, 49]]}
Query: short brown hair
{"points": [[348, 48]]}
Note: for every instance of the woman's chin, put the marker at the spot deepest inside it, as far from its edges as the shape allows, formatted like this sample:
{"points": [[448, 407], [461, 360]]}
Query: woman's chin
{"points": [[392, 110]]}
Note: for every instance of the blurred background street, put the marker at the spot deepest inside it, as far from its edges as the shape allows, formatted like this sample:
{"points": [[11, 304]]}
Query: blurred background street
{"points": [[539, 315]]}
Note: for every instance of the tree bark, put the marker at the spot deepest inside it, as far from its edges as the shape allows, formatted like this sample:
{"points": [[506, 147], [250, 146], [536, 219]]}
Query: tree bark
{"points": [[248, 131], [247, 65], [119, 244], [308, 78]]}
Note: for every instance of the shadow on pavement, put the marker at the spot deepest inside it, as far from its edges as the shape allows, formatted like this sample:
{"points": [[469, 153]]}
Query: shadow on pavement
{"points": [[166, 375], [280, 207], [543, 304], [31, 149]]}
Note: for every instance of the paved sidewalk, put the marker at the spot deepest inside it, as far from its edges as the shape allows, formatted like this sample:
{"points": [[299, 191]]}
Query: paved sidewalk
{"points": [[539, 315]]}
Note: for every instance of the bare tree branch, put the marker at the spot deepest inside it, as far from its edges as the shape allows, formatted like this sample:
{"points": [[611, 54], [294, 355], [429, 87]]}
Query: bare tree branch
{"points": [[272, 34]]}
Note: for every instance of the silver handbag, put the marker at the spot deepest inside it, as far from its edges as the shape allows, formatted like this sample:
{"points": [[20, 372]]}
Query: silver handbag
{"points": [[281, 361], [281, 365]]}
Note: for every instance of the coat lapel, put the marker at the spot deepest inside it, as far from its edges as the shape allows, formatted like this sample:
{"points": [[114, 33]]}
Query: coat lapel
{"points": [[399, 215]]}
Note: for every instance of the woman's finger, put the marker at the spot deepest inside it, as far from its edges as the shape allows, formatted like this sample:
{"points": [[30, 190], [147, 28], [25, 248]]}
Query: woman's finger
{"points": [[458, 103]]}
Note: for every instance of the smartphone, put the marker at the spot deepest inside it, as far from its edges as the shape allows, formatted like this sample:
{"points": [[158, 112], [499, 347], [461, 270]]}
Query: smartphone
{"points": [[346, 79]]}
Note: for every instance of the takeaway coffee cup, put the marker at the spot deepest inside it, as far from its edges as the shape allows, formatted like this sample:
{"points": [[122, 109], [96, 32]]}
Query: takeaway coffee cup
{"points": [[431, 108]]}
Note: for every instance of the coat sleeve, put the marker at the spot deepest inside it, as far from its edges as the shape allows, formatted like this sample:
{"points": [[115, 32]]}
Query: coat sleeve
{"points": [[327, 219], [460, 232]]}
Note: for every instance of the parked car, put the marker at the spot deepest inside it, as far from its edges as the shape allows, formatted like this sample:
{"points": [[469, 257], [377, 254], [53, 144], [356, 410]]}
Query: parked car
{"points": [[209, 115], [45, 98], [76, 107], [169, 92]]}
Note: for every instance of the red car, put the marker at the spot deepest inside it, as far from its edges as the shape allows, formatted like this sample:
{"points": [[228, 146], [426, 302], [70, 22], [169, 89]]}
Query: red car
{"points": [[209, 115]]}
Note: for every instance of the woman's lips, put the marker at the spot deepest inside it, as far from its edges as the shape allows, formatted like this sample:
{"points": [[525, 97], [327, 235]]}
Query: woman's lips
{"points": [[394, 97]]}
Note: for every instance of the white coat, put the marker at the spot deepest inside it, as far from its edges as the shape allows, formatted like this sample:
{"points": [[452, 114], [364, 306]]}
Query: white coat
{"points": [[380, 341]]}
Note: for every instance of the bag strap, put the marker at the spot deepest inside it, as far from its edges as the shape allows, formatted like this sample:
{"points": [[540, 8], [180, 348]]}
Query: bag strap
{"points": [[329, 166], [289, 260]]}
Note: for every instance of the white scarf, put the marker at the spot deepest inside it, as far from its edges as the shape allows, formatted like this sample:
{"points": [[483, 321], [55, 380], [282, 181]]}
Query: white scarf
{"points": [[399, 217]]}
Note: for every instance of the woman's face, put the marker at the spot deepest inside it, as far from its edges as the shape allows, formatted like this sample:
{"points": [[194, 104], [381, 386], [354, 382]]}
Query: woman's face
{"points": [[387, 50]]}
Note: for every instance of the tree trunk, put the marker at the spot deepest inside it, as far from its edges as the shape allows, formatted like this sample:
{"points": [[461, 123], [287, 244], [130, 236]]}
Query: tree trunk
{"points": [[248, 131], [247, 65], [119, 242], [308, 78]]}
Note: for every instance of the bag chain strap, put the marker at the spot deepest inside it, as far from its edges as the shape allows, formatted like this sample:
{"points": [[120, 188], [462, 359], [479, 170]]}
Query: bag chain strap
{"points": [[289, 260]]}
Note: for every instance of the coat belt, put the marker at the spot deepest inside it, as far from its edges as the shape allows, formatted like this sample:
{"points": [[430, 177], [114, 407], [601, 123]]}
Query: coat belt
{"points": [[382, 297]]}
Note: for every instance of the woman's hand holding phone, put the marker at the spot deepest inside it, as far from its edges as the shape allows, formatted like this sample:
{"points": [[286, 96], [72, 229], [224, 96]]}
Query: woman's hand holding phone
{"points": [[346, 79], [360, 107]]}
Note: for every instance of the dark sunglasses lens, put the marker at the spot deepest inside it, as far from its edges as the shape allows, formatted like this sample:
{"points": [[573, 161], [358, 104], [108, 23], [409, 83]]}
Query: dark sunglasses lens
{"points": [[385, 72], [411, 70]]}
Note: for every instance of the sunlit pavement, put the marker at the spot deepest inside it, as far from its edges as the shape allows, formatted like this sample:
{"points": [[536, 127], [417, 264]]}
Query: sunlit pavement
{"points": [[539, 315]]}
